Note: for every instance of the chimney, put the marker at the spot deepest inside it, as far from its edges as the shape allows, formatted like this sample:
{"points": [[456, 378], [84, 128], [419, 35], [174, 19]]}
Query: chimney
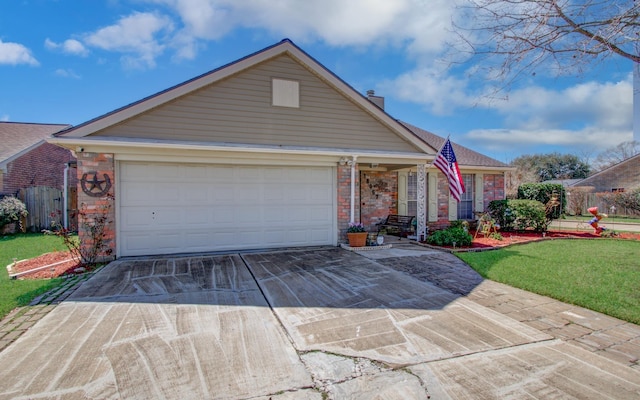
{"points": [[377, 100]]}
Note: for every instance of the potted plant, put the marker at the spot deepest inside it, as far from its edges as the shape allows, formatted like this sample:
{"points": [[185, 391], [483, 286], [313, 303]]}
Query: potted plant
{"points": [[357, 235]]}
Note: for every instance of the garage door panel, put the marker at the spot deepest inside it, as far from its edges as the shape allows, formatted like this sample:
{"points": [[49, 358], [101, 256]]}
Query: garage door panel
{"points": [[195, 193], [247, 194], [274, 193], [223, 215], [135, 193], [320, 194], [320, 235], [223, 193], [274, 174], [135, 220], [248, 174], [196, 216], [275, 215], [198, 239], [173, 208], [319, 214], [167, 171]]}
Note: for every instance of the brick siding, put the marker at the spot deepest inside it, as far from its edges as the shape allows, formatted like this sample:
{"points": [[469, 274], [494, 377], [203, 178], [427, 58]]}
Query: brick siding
{"points": [[378, 197], [101, 164], [493, 188], [42, 166], [344, 199]]}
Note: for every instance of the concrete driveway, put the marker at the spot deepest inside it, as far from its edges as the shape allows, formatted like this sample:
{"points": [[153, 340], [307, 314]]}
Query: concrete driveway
{"points": [[298, 324]]}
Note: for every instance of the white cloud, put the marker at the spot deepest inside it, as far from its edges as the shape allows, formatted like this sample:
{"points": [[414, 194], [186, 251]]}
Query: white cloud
{"points": [[4, 117], [604, 104], [136, 36], [441, 93], [15, 53], [592, 139], [67, 73], [69, 46], [417, 24]]}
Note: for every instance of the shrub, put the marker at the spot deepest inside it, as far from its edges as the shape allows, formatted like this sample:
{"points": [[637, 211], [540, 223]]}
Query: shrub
{"points": [[11, 210], [552, 195], [452, 236], [93, 224], [627, 202], [519, 215]]}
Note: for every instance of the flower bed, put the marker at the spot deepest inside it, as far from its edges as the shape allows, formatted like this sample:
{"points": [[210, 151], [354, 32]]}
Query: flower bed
{"points": [[49, 265], [508, 238]]}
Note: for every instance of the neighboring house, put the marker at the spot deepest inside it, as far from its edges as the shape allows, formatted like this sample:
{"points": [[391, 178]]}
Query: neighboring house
{"points": [[26, 159], [270, 151], [620, 177], [34, 170]]}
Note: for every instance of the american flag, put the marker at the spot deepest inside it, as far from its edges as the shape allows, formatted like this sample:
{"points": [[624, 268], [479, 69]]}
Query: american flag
{"points": [[447, 163]]}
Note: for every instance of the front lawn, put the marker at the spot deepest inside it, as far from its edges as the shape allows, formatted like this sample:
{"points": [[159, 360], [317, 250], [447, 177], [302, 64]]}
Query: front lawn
{"points": [[602, 274], [15, 293]]}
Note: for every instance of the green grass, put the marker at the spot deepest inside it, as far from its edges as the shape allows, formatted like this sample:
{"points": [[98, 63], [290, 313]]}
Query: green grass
{"points": [[602, 275], [15, 293]]}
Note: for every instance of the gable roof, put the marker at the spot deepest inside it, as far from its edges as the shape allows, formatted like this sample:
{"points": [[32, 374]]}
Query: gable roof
{"points": [[284, 47], [17, 138], [621, 164], [465, 156]]}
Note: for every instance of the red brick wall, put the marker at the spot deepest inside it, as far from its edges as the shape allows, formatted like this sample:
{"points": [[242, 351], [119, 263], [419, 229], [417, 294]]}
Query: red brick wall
{"points": [[493, 188], [344, 196], [378, 197], [101, 165], [42, 166], [344, 199]]}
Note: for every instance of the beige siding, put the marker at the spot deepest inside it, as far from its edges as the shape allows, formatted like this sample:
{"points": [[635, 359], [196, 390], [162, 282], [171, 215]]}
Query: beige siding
{"points": [[239, 110]]}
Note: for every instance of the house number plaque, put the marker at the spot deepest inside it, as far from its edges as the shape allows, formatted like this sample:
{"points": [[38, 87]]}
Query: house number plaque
{"points": [[93, 186]]}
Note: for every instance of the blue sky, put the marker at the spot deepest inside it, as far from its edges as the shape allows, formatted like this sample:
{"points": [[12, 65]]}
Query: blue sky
{"points": [[71, 61]]}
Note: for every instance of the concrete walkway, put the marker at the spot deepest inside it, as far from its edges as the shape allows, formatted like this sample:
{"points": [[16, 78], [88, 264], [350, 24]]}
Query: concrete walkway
{"points": [[403, 323]]}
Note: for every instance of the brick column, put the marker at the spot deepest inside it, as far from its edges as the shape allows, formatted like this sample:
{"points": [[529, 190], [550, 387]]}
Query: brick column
{"points": [[96, 199], [344, 199]]}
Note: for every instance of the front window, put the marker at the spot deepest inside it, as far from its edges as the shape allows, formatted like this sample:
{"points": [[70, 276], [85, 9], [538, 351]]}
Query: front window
{"points": [[465, 206]]}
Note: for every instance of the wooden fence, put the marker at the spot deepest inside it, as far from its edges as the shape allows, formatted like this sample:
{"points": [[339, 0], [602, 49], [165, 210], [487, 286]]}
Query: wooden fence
{"points": [[44, 204], [581, 202]]}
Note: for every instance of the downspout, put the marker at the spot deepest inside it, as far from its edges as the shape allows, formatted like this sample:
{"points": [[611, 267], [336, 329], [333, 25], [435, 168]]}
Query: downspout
{"points": [[65, 196], [352, 163]]}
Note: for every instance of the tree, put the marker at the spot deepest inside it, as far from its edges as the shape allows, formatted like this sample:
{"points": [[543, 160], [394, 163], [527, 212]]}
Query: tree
{"points": [[617, 154], [524, 34], [552, 166]]}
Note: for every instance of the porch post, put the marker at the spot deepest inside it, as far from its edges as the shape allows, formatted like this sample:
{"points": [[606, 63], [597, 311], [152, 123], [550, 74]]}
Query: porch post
{"points": [[421, 228]]}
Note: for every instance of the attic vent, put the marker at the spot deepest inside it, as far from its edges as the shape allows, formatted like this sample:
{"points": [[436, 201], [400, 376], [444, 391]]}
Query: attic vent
{"points": [[285, 93]]}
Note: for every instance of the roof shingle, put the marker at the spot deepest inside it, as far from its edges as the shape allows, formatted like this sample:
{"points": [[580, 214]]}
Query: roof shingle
{"points": [[17, 136], [465, 156]]}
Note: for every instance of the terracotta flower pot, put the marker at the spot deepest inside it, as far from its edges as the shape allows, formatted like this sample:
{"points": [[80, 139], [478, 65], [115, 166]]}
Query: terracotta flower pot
{"points": [[357, 239]]}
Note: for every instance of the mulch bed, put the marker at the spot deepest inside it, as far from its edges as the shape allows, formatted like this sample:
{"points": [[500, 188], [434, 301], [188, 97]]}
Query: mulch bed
{"points": [[61, 263], [508, 238]]}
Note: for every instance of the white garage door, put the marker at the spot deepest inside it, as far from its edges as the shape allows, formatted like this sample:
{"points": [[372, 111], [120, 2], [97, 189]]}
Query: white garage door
{"points": [[178, 208]]}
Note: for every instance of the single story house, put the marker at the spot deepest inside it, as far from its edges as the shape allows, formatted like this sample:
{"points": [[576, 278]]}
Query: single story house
{"points": [[26, 159], [273, 150], [620, 177], [36, 172]]}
